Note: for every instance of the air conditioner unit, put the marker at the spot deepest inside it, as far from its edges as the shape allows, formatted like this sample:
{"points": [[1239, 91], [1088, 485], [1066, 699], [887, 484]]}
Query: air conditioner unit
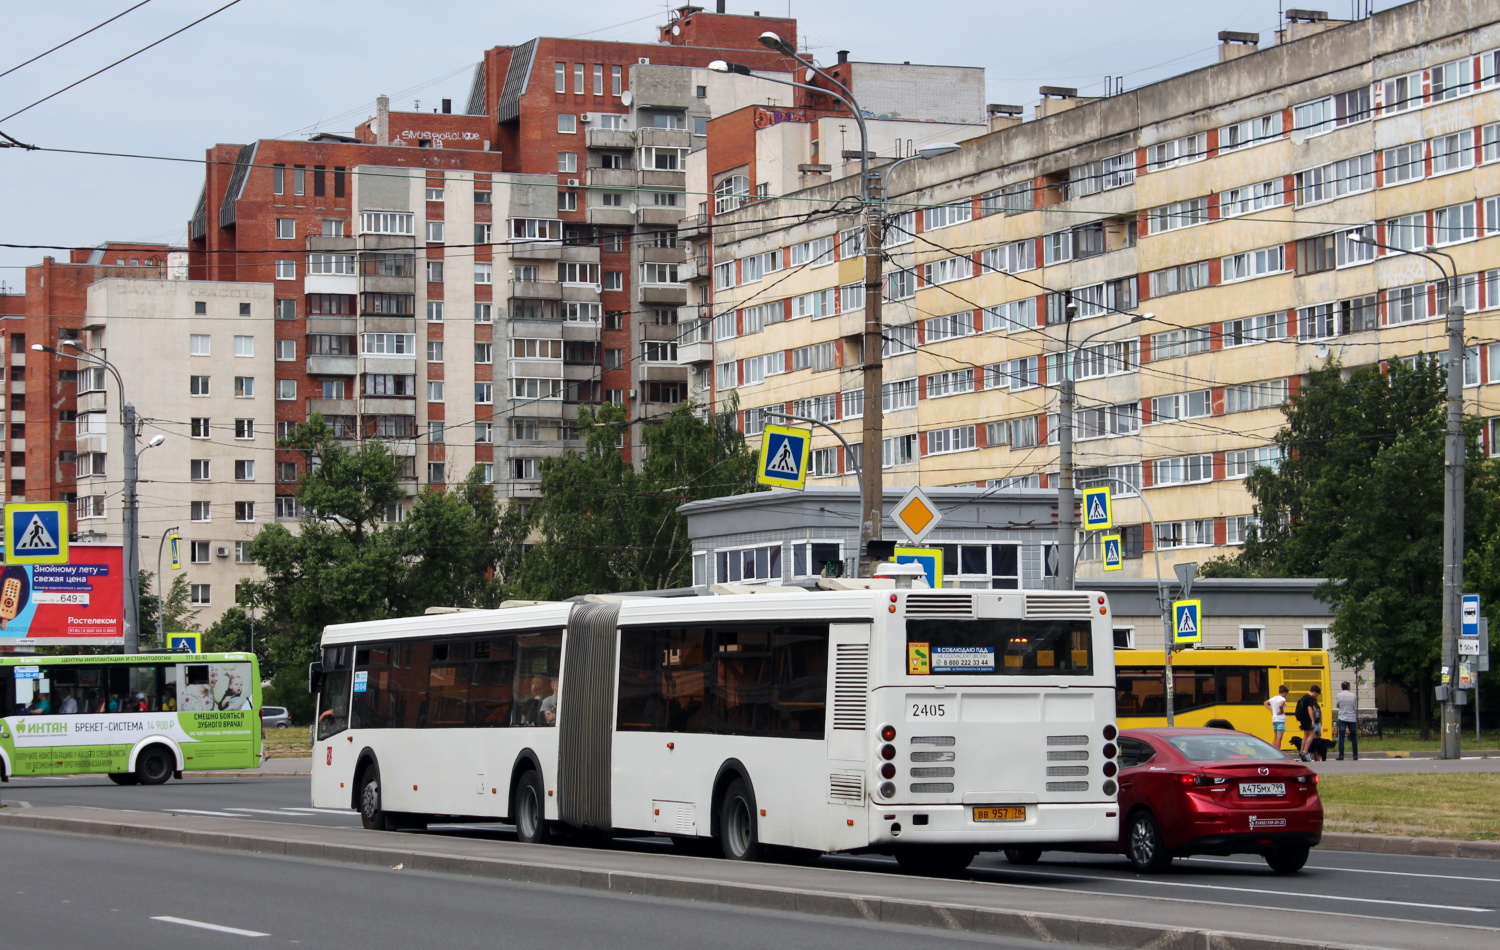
{"points": [[631, 393], [222, 551], [644, 61], [598, 288], [586, 118], [573, 182]]}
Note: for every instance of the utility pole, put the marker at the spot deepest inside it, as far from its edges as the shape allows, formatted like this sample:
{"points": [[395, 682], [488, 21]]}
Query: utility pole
{"points": [[132, 531], [1067, 499], [871, 463], [1453, 522]]}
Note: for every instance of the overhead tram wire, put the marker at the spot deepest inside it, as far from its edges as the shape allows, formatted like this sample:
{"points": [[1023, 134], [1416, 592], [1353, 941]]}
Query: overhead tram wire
{"points": [[120, 60], [80, 36]]}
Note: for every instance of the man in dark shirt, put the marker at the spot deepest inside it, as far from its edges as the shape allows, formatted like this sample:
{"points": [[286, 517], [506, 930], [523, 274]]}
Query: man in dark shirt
{"points": [[1310, 719]]}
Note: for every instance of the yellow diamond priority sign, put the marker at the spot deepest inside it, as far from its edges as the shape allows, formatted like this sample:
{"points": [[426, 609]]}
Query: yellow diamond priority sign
{"points": [[916, 515]]}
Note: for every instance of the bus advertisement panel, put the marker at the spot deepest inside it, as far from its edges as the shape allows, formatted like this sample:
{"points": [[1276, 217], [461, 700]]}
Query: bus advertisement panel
{"points": [[79, 603], [1222, 687], [928, 724], [139, 718]]}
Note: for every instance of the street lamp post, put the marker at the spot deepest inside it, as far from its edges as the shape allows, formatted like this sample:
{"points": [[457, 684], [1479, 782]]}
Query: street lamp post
{"points": [[130, 502], [872, 481], [161, 594], [1066, 496], [1455, 463]]}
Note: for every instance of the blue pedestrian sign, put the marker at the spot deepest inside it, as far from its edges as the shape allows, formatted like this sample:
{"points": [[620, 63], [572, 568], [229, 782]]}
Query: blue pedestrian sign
{"points": [[36, 533], [1114, 558], [184, 642], [783, 457], [1471, 615], [1187, 621], [1098, 514]]}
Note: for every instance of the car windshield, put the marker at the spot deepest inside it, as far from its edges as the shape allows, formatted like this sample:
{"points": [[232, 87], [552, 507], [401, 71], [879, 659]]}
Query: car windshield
{"points": [[1226, 748]]}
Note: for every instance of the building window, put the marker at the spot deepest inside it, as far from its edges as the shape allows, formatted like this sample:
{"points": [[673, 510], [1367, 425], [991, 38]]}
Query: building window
{"points": [[244, 346], [244, 470], [286, 229], [198, 469], [435, 390], [286, 269], [244, 387], [484, 393], [567, 162], [616, 80], [242, 553], [198, 344], [198, 385], [567, 123], [1252, 638], [286, 389], [286, 350], [483, 313], [244, 428], [244, 511], [198, 427], [1315, 638], [386, 222], [198, 594]]}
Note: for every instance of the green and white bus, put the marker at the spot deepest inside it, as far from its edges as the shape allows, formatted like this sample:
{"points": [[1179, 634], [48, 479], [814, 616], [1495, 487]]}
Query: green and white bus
{"points": [[141, 718]]}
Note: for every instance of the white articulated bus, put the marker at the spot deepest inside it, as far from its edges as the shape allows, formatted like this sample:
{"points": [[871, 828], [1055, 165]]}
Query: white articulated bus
{"points": [[929, 724]]}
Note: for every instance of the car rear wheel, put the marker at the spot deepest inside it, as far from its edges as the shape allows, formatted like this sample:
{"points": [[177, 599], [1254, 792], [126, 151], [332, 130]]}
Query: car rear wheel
{"points": [[1287, 860], [283, 725], [936, 860], [1144, 845], [1023, 855]]}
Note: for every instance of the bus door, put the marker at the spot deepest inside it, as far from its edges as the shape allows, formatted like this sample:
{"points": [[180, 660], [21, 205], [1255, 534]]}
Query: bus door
{"points": [[849, 723], [30, 753]]}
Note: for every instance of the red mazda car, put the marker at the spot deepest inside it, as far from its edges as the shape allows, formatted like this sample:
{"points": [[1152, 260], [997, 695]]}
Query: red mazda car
{"points": [[1209, 791]]}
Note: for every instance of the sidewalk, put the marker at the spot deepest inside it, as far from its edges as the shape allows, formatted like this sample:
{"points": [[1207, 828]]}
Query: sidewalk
{"points": [[1016, 911]]}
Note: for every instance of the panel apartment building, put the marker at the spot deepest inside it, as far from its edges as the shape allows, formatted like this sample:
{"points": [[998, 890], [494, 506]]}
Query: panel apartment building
{"points": [[454, 285], [1220, 203]]}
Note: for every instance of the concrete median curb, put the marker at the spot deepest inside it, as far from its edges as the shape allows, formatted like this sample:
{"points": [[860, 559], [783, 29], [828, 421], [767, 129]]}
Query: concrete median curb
{"points": [[1424, 847], [947, 915]]}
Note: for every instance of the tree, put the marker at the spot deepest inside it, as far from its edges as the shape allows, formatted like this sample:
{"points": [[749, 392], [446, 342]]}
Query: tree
{"points": [[606, 526], [1358, 499], [180, 615]]}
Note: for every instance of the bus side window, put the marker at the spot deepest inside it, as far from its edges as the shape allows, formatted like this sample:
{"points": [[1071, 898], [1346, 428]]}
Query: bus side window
{"points": [[333, 702]]}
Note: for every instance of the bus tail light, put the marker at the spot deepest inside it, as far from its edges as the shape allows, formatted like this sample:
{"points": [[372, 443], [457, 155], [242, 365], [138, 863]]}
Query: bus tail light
{"points": [[1110, 732], [887, 733], [888, 770], [887, 789], [1109, 750], [1109, 789], [1110, 768], [887, 752]]}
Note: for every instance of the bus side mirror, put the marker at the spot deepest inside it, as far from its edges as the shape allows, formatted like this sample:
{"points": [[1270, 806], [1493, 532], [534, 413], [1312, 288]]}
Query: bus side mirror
{"points": [[315, 678]]}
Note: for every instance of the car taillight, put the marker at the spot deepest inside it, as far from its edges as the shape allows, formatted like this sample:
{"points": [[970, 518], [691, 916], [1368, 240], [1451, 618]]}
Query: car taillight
{"points": [[1199, 780]]}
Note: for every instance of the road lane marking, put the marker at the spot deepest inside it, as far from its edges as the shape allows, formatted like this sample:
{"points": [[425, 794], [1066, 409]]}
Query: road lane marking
{"points": [[197, 811], [220, 928], [321, 811], [283, 813], [1329, 867]]}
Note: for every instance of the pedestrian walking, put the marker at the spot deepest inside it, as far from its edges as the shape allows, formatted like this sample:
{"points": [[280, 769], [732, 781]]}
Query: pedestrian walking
{"points": [[1310, 720], [1277, 705], [1346, 719]]}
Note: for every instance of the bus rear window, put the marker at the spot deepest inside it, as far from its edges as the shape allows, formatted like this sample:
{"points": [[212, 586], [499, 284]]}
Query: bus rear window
{"points": [[1003, 646]]}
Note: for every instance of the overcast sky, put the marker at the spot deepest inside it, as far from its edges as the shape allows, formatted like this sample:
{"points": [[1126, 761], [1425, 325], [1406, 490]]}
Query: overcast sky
{"points": [[282, 68]]}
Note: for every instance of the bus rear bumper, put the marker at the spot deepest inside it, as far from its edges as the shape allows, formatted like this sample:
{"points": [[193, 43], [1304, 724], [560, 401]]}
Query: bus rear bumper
{"points": [[956, 824]]}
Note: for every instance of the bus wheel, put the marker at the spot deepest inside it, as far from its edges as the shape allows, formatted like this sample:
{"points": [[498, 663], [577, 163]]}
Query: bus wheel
{"points": [[124, 778], [738, 835], [936, 860], [1023, 855], [371, 815], [531, 811], [154, 765]]}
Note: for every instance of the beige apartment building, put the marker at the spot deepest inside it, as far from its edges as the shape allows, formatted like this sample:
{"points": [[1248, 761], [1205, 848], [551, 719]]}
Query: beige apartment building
{"points": [[1199, 231]]}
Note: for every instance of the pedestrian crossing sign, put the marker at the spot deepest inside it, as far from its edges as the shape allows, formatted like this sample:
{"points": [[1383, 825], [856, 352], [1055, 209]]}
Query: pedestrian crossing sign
{"points": [[1187, 621], [36, 533], [1114, 558], [784, 452], [1098, 513], [185, 642]]}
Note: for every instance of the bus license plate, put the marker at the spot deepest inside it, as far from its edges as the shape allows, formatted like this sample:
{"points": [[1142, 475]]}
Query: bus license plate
{"points": [[999, 812], [1262, 789]]}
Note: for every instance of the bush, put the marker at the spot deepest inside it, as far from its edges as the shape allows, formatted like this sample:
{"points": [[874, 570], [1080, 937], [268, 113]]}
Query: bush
{"points": [[289, 689]]}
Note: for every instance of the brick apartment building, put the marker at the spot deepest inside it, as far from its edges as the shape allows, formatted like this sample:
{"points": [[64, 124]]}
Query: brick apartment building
{"points": [[1220, 202]]}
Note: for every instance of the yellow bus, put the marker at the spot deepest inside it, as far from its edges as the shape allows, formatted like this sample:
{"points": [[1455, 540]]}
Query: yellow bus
{"points": [[1219, 685]]}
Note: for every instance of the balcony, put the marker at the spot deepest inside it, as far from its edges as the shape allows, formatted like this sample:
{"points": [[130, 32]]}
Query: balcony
{"points": [[664, 294], [694, 312], [670, 138], [332, 366], [662, 372], [660, 216], [532, 249], [695, 342], [331, 407], [609, 216], [96, 401], [611, 138], [658, 331], [660, 178], [621, 178], [536, 289], [587, 293], [649, 253], [694, 268], [692, 226]]}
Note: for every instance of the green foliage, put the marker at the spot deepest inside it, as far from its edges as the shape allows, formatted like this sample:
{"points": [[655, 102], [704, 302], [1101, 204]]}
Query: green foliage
{"points": [[1359, 500], [606, 526], [289, 689]]}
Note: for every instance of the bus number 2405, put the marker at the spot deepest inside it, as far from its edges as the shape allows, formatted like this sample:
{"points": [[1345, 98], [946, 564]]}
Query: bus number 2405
{"points": [[927, 709]]}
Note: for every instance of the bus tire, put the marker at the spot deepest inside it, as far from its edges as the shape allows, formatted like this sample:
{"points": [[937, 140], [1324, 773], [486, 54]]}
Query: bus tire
{"points": [[371, 814], [1023, 855], [1219, 724], [124, 778], [154, 765], [739, 835], [935, 860], [531, 810]]}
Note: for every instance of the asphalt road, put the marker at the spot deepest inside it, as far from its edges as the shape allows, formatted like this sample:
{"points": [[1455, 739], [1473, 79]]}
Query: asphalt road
{"points": [[1370, 886], [66, 891]]}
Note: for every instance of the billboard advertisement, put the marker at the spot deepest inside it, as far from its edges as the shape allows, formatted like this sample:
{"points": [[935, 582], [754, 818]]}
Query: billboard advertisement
{"points": [[77, 603]]}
